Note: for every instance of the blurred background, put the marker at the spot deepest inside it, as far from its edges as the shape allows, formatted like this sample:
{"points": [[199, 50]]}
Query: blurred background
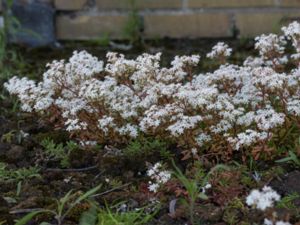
{"points": [[48, 21], [34, 32]]}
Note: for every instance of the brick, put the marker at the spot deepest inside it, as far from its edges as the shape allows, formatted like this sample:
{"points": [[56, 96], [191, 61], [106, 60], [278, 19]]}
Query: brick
{"points": [[36, 17], [229, 3], [253, 24], [90, 27], [69, 4], [290, 3], [187, 25], [139, 4]]}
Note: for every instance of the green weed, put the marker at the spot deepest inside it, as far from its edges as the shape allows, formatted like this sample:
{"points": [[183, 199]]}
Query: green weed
{"points": [[22, 174], [59, 151], [287, 202], [133, 26], [63, 209], [144, 147], [291, 158], [193, 186], [136, 217]]}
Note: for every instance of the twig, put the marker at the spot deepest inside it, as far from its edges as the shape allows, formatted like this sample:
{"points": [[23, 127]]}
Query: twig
{"points": [[20, 211], [99, 174], [71, 170], [111, 190]]}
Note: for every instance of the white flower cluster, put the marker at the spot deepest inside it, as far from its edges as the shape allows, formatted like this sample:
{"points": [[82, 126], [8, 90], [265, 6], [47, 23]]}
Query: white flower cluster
{"points": [[262, 199], [292, 32], [158, 177], [270, 44], [220, 50], [232, 107], [280, 222]]}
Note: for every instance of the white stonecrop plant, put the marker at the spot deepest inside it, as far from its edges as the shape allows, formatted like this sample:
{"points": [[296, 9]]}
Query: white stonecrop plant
{"points": [[220, 50], [262, 199], [234, 107], [280, 222], [158, 177]]}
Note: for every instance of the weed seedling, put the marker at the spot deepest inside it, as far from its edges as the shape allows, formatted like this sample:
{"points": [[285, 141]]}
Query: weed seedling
{"points": [[136, 217], [21, 174], [59, 151], [287, 202], [291, 158], [193, 187], [64, 207]]}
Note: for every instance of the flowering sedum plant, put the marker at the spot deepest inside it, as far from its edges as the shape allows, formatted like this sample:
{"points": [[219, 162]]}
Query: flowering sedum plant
{"points": [[262, 199], [232, 108], [158, 177]]}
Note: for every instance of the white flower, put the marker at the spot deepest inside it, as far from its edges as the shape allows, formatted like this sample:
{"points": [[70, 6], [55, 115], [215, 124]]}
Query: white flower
{"points": [[269, 222], [158, 177], [282, 223], [194, 151], [153, 187], [292, 31], [269, 44], [262, 199], [244, 105], [247, 138], [220, 49]]}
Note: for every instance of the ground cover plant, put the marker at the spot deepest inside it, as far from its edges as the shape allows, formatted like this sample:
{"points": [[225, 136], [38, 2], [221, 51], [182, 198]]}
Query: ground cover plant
{"points": [[146, 143]]}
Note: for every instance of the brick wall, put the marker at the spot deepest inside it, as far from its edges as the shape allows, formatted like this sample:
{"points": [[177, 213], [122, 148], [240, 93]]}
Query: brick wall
{"points": [[88, 19]]}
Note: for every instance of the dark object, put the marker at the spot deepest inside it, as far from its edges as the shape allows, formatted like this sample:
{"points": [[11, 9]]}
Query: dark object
{"points": [[36, 20], [15, 154]]}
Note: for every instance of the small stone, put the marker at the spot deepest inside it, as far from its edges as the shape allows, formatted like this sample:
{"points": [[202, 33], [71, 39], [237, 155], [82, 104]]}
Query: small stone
{"points": [[4, 147], [16, 153]]}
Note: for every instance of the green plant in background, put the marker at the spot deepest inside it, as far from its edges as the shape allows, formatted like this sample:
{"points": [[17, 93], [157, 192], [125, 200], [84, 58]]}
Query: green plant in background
{"points": [[230, 217], [63, 209], [287, 202], [89, 217], [233, 210], [135, 217], [291, 158], [59, 151], [10, 26], [144, 147], [17, 176], [13, 136], [22, 174], [104, 40], [194, 186], [133, 27], [106, 216]]}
